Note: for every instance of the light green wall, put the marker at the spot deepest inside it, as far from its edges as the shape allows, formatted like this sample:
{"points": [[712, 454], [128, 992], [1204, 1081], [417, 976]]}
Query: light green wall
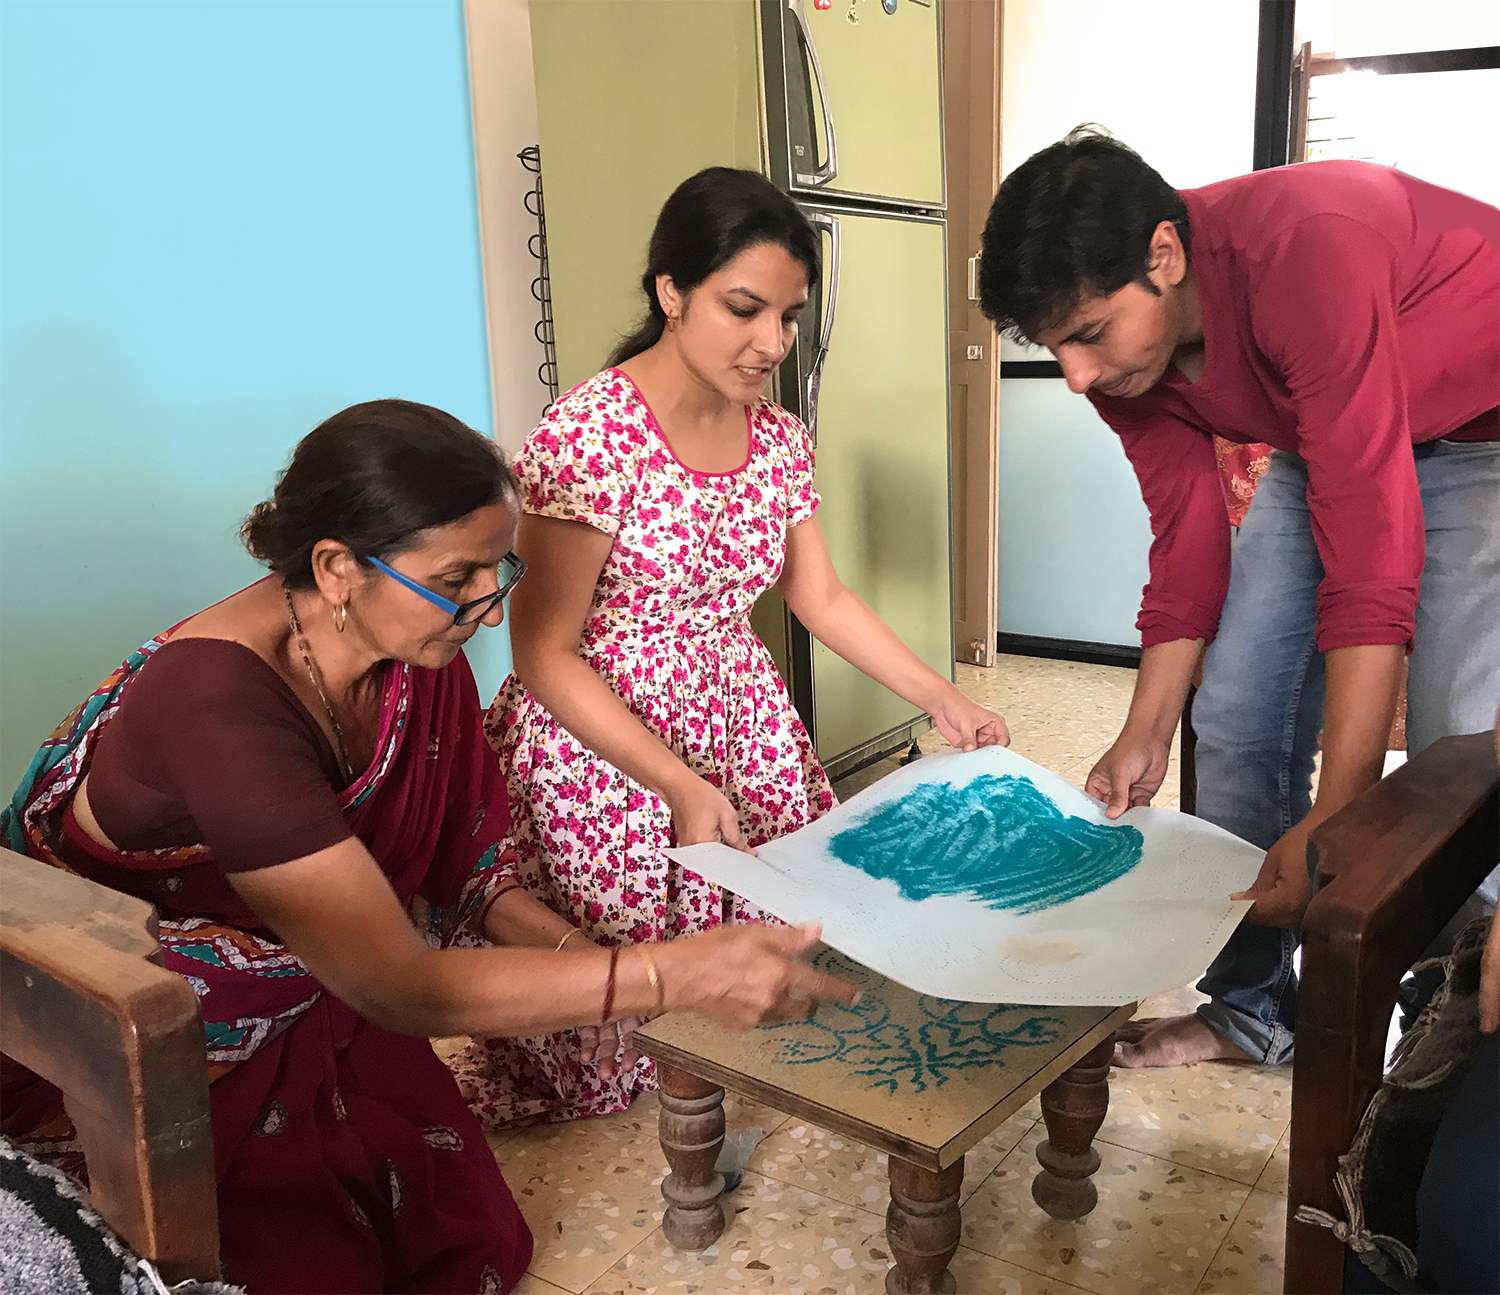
{"points": [[608, 73]]}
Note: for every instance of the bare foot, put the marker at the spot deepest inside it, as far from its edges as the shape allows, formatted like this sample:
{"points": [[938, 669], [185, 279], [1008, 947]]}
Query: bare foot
{"points": [[1135, 1031], [1171, 1041]]}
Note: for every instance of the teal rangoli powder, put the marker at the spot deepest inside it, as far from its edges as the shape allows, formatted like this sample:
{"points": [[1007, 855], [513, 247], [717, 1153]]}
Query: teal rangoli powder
{"points": [[997, 838]]}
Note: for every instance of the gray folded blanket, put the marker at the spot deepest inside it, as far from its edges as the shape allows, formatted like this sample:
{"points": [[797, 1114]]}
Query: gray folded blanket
{"points": [[56, 1242]]}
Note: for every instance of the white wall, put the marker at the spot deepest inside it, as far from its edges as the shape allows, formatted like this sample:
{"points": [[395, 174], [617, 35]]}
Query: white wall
{"points": [[1178, 85], [1351, 28], [504, 94], [1423, 123]]}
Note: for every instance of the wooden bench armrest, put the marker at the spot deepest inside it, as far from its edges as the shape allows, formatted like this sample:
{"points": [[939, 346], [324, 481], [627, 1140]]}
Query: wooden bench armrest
{"points": [[1392, 868], [84, 1004]]}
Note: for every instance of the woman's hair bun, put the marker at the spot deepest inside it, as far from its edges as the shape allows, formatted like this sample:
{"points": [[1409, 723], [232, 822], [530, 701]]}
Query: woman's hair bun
{"points": [[375, 476]]}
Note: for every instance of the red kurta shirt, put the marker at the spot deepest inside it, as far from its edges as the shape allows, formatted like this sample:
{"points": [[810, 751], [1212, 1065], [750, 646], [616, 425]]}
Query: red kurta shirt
{"points": [[1349, 312]]}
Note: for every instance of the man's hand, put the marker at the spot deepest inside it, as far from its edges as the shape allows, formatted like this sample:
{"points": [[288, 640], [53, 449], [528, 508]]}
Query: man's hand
{"points": [[1131, 771], [1282, 890], [1362, 686], [1489, 981], [1127, 775]]}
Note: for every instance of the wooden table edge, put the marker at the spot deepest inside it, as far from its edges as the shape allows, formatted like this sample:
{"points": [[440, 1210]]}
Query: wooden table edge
{"points": [[791, 1104]]}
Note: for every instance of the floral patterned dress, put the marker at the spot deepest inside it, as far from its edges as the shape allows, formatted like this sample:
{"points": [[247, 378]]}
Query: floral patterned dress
{"points": [[669, 631]]}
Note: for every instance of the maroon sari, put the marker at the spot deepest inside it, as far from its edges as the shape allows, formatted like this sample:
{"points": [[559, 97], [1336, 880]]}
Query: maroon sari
{"points": [[347, 1159]]}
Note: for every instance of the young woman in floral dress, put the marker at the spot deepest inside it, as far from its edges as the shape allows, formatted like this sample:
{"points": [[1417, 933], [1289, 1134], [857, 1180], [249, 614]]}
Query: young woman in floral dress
{"points": [[661, 498]]}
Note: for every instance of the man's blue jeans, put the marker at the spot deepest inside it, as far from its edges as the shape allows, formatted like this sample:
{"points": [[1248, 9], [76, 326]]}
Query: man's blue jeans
{"points": [[1260, 709]]}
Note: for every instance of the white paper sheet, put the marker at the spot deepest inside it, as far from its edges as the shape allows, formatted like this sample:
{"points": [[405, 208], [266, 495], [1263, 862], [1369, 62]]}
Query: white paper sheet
{"points": [[1153, 927]]}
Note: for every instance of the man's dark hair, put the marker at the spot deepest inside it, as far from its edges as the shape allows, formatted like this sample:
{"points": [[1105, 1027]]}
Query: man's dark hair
{"points": [[1074, 220]]}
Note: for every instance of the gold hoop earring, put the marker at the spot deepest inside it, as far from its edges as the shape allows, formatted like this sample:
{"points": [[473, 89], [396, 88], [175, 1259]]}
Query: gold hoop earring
{"points": [[671, 323], [340, 616]]}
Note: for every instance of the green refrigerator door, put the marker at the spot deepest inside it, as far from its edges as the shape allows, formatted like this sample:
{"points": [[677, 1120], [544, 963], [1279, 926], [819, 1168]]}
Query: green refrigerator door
{"points": [[871, 68], [882, 456]]}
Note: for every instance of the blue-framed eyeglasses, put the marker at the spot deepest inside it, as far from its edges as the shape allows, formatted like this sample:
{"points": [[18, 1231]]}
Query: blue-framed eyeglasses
{"points": [[510, 573]]}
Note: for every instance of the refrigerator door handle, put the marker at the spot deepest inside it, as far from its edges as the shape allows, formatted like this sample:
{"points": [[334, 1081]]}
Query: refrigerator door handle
{"points": [[830, 168], [822, 220]]}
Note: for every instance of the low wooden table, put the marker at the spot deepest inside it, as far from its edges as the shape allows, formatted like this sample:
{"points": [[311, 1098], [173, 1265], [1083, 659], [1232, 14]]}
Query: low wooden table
{"points": [[922, 1079]]}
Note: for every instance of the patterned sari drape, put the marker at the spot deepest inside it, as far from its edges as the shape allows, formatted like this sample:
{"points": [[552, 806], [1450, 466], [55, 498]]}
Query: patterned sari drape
{"points": [[344, 1152]]}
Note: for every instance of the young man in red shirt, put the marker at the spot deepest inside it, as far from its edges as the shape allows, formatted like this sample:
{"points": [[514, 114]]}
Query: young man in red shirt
{"points": [[1349, 315]]}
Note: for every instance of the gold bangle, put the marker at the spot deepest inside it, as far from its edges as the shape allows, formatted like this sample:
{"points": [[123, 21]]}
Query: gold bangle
{"points": [[566, 938], [654, 976]]}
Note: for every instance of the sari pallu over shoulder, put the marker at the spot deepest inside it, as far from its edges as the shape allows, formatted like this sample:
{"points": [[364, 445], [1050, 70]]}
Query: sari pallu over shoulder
{"points": [[430, 809], [345, 1155]]}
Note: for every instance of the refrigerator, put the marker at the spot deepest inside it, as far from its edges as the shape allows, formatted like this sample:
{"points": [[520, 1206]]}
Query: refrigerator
{"points": [[842, 108]]}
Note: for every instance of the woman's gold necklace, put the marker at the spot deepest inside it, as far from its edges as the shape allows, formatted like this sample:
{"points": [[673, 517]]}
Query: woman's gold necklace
{"points": [[315, 675]]}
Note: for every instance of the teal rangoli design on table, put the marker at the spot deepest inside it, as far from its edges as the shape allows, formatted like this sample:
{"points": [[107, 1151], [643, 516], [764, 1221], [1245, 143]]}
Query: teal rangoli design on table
{"points": [[866, 1041]]}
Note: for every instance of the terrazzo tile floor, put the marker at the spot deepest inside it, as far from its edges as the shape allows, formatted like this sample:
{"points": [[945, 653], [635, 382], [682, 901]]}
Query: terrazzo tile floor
{"points": [[1192, 1188]]}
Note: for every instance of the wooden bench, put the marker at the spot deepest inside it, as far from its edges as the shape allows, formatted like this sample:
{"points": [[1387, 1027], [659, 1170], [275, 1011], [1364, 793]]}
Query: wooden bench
{"points": [[85, 1004]]}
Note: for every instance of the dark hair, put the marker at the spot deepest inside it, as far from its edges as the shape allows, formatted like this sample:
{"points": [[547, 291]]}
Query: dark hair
{"points": [[1071, 221], [708, 221], [374, 477]]}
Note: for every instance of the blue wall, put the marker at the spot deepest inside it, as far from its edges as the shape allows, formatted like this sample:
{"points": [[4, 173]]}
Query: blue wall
{"points": [[1074, 533], [219, 223]]}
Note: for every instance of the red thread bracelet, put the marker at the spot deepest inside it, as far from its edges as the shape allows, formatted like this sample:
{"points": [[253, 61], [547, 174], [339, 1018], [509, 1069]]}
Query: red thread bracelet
{"points": [[609, 986]]}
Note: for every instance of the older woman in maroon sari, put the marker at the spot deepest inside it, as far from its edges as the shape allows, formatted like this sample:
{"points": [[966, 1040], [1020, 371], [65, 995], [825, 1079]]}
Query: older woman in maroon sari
{"points": [[286, 776]]}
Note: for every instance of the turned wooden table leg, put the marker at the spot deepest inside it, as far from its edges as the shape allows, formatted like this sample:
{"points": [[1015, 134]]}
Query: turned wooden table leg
{"points": [[691, 1133], [1073, 1105], [922, 1226]]}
